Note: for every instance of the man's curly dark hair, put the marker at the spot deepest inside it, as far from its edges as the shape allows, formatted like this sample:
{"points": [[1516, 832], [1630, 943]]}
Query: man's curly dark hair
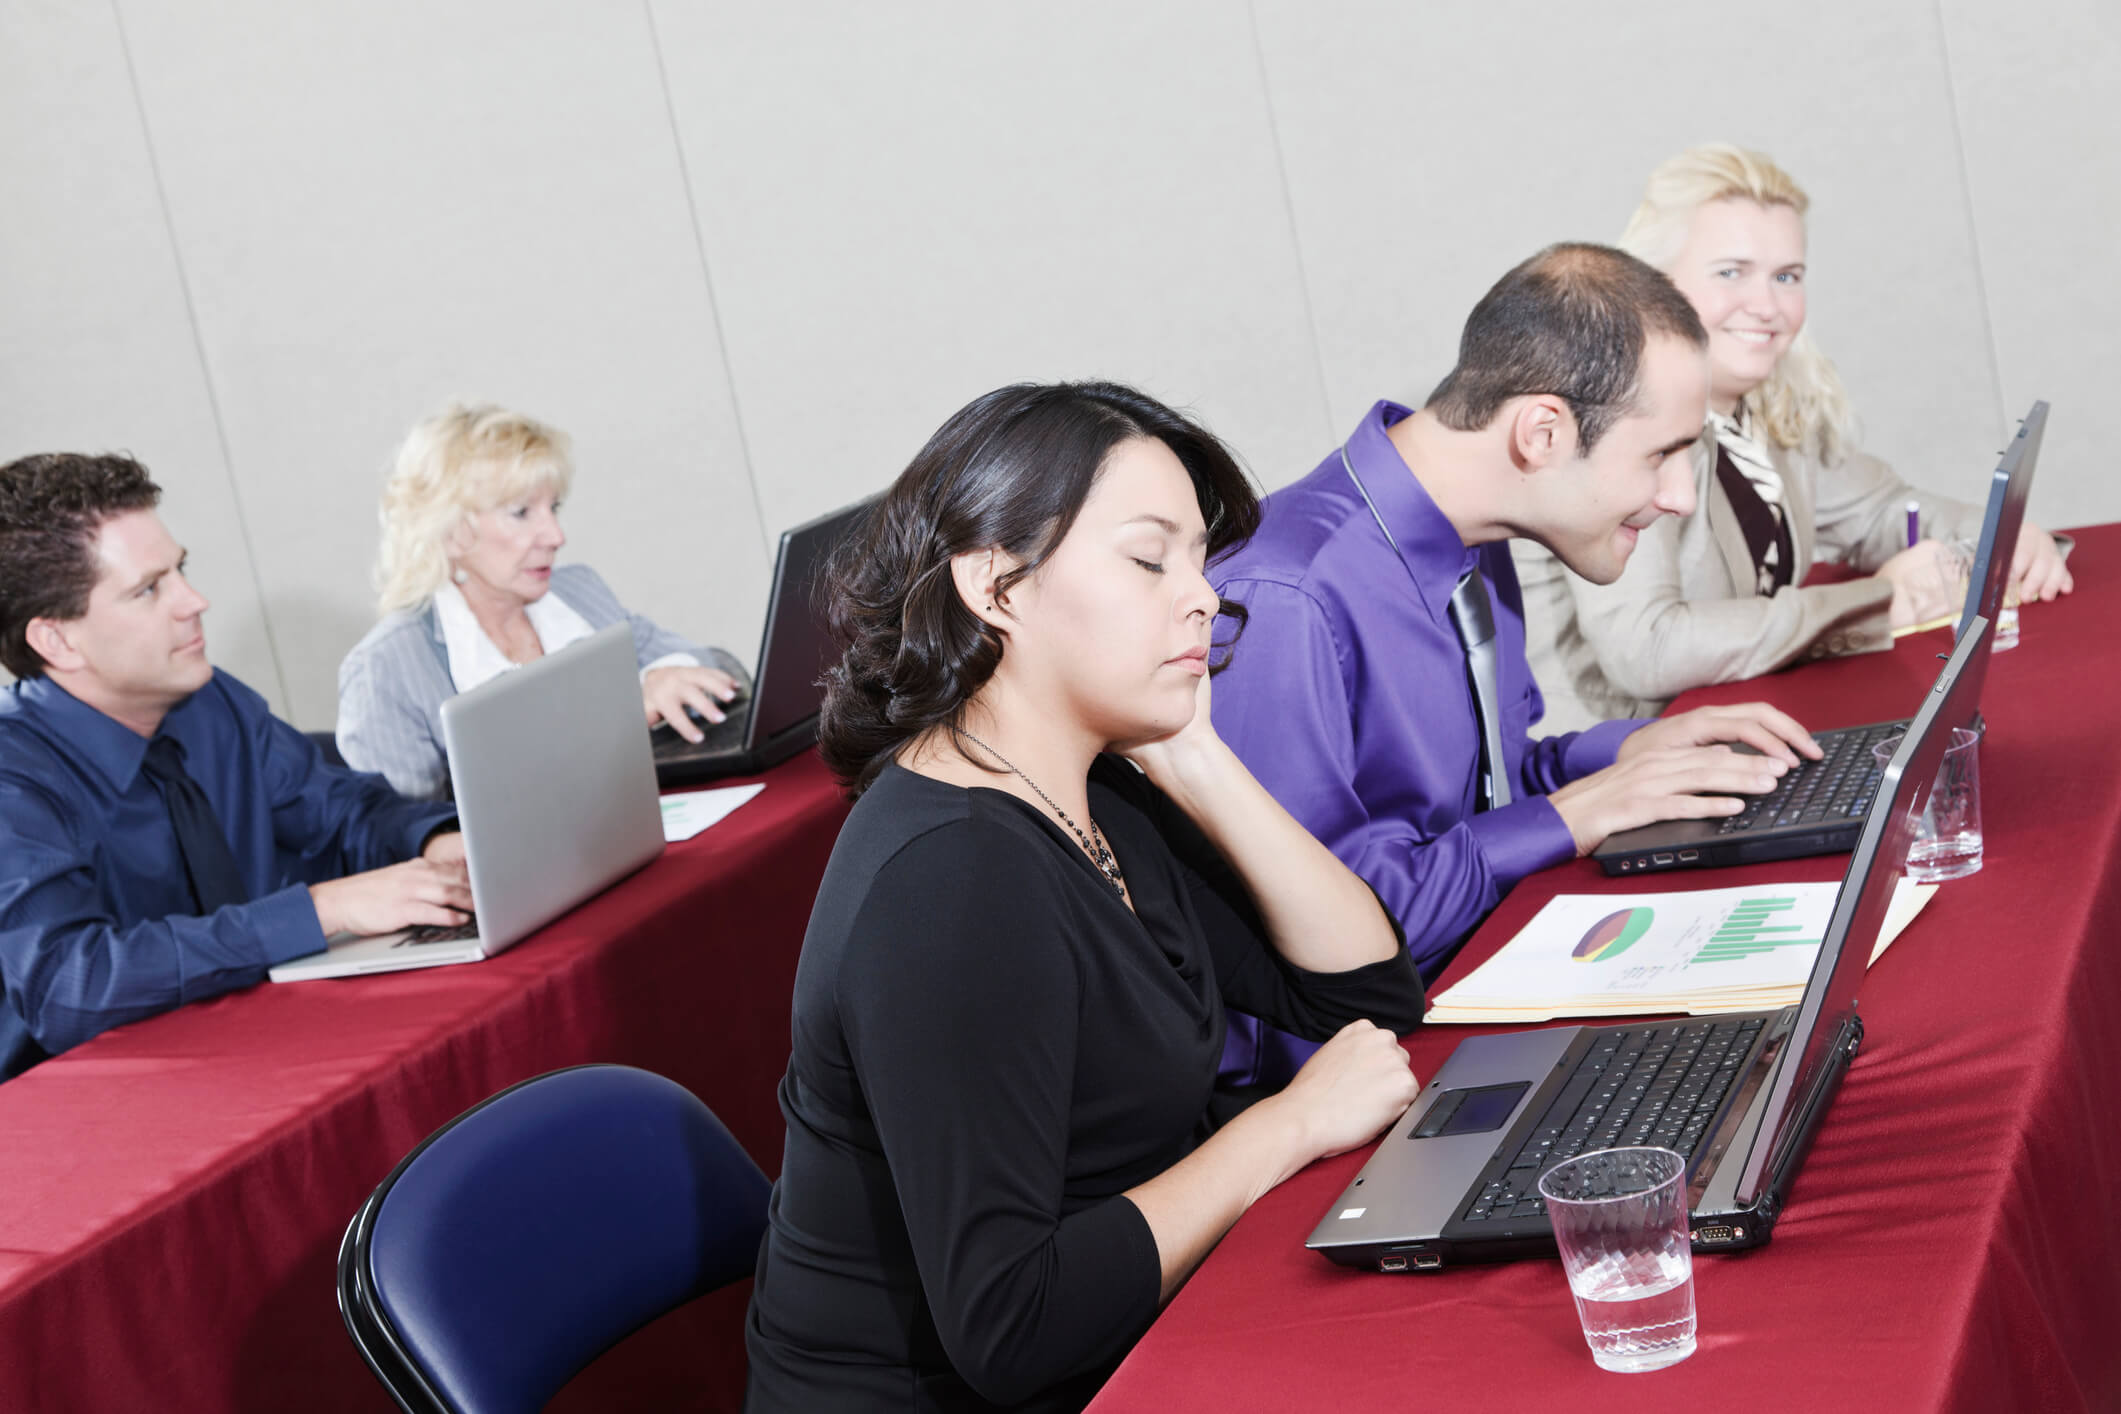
{"points": [[51, 506]]}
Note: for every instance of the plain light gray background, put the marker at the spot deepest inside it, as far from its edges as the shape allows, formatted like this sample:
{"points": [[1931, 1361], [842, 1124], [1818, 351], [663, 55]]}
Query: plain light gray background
{"points": [[750, 256]]}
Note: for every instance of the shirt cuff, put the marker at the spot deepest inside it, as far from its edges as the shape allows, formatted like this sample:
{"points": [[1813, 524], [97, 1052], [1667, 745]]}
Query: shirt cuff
{"points": [[286, 925], [1523, 837], [671, 660], [1595, 748], [424, 826]]}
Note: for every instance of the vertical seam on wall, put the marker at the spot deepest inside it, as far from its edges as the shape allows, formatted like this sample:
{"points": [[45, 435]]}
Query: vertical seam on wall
{"points": [[198, 339], [1973, 224], [1288, 203], [714, 303]]}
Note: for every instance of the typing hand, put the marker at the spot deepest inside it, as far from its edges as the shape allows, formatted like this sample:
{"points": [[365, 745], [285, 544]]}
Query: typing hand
{"points": [[401, 896], [1354, 1086], [2037, 569], [1670, 783], [1925, 583], [1768, 730], [667, 692]]}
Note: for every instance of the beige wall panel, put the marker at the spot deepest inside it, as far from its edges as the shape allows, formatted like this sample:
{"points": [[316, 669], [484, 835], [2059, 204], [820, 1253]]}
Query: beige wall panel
{"points": [[385, 203], [2039, 90], [908, 206], [96, 346], [1429, 149]]}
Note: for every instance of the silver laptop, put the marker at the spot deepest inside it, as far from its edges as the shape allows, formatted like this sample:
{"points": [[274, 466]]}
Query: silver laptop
{"points": [[1739, 1096], [556, 795]]}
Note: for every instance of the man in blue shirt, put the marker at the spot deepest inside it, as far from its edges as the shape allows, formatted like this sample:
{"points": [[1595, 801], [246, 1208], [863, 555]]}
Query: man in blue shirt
{"points": [[1582, 380], [163, 837]]}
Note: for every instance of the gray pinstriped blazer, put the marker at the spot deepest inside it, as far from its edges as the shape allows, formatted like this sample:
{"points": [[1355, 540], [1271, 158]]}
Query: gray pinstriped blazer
{"points": [[394, 682]]}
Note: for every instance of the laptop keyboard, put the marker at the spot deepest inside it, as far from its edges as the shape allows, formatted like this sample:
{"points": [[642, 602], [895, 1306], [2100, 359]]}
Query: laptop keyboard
{"points": [[1833, 790], [439, 933], [1660, 1085], [725, 737]]}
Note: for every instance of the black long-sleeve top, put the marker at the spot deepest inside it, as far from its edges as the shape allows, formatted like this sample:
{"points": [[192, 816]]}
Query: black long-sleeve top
{"points": [[989, 1050]]}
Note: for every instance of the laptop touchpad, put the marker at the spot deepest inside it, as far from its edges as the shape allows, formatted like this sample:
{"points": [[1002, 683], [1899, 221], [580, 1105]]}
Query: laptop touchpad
{"points": [[1471, 1111]]}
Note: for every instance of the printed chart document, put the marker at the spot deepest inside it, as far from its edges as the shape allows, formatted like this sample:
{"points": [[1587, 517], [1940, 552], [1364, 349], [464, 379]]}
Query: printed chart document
{"points": [[688, 812], [1710, 950]]}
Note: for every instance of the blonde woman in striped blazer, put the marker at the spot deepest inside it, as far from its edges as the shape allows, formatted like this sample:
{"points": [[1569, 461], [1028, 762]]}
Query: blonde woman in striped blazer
{"points": [[470, 589]]}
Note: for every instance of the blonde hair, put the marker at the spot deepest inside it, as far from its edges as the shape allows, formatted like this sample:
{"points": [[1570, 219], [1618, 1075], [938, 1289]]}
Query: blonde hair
{"points": [[467, 458], [1803, 403]]}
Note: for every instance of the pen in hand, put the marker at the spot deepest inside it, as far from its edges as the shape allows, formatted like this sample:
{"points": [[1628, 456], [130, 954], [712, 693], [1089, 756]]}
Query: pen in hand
{"points": [[1914, 523]]}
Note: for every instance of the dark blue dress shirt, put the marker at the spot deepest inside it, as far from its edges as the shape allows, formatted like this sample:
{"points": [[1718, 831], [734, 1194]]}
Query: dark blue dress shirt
{"points": [[1347, 697], [96, 918]]}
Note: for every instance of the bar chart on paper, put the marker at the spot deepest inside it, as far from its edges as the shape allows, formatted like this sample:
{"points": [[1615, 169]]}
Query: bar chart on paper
{"points": [[1757, 925], [1614, 955]]}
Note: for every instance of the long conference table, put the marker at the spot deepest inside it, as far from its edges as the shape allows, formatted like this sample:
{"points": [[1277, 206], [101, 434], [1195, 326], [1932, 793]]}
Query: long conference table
{"points": [[1954, 1240], [172, 1193]]}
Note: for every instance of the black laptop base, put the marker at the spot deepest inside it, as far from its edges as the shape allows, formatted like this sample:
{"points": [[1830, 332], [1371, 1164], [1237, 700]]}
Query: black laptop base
{"points": [[1817, 808], [722, 754]]}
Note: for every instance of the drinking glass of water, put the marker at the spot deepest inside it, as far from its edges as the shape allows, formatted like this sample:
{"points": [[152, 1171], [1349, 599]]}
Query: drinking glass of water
{"points": [[1620, 1218], [1947, 842]]}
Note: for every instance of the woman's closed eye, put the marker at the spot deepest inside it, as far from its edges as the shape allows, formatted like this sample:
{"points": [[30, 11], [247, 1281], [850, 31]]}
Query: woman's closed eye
{"points": [[1152, 566]]}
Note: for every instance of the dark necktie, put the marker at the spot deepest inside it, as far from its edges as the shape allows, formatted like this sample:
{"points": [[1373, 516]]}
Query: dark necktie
{"points": [[208, 861], [1475, 622]]}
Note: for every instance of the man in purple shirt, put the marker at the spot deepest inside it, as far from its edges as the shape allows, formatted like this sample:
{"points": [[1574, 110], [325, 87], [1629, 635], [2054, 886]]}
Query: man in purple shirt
{"points": [[1582, 380]]}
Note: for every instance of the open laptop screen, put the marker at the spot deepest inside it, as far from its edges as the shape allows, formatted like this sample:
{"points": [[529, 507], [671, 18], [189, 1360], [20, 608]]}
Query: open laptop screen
{"points": [[795, 646], [1866, 893], [2008, 490]]}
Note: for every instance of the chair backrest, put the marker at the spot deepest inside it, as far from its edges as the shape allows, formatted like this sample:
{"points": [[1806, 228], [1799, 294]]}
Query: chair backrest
{"points": [[539, 1228]]}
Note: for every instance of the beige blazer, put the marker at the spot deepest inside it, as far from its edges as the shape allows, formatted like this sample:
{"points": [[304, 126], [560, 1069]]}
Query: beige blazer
{"points": [[1686, 611]]}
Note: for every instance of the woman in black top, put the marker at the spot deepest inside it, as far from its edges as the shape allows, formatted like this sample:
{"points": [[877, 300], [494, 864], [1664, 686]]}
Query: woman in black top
{"points": [[1009, 1008]]}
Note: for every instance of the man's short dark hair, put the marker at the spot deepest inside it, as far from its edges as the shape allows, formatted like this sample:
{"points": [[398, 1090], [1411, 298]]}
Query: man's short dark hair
{"points": [[51, 507], [1572, 321]]}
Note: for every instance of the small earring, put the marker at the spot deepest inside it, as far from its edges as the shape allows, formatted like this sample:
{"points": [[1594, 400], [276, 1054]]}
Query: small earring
{"points": [[460, 575]]}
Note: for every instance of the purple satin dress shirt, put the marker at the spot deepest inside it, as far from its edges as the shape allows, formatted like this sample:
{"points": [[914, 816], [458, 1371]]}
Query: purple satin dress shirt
{"points": [[1347, 697]]}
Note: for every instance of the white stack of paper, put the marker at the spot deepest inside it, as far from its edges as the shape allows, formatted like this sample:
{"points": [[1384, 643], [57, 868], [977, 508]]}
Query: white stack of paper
{"points": [[1712, 950]]}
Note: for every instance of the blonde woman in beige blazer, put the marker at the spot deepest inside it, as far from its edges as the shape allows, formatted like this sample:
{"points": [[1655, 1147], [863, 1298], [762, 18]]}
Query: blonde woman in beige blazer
{"points": [[1719, 595], [1687, 610]]}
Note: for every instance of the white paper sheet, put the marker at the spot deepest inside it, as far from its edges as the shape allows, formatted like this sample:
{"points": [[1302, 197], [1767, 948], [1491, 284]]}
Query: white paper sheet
{"points": [[687, 813]]}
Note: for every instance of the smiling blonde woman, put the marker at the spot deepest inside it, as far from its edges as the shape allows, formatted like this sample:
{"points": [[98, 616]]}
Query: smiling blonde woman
{"points": [[1720, 595], [470, 588]]}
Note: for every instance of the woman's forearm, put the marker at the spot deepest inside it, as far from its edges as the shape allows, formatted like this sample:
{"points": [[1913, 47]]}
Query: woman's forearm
{"points": [[1318, 914], [1190, 1205]]}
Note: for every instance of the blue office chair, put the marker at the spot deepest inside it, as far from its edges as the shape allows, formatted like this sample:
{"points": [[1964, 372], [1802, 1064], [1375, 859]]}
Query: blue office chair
{"points": [[539, 1228]]}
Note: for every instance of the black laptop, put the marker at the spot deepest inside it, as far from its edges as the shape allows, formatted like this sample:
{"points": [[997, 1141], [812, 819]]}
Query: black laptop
{"points": [[1740, 1096], [779, 718], [1818, 808]]}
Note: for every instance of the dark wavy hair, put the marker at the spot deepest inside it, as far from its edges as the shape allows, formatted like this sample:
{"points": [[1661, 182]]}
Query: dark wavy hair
{"points": [[1011, 469], [51, 507]]}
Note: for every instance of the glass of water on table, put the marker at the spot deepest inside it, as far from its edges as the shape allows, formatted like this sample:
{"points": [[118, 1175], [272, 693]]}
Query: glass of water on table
{"points": [[1620, 1219]]}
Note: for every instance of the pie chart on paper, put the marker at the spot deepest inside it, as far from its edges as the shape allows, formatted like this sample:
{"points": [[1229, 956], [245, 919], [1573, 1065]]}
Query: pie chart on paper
{"points": [[1613, 934]]}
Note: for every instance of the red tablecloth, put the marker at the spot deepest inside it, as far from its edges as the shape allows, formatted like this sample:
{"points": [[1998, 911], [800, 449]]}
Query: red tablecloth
{"points": [[173, 1192], [1953, 1242]]}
